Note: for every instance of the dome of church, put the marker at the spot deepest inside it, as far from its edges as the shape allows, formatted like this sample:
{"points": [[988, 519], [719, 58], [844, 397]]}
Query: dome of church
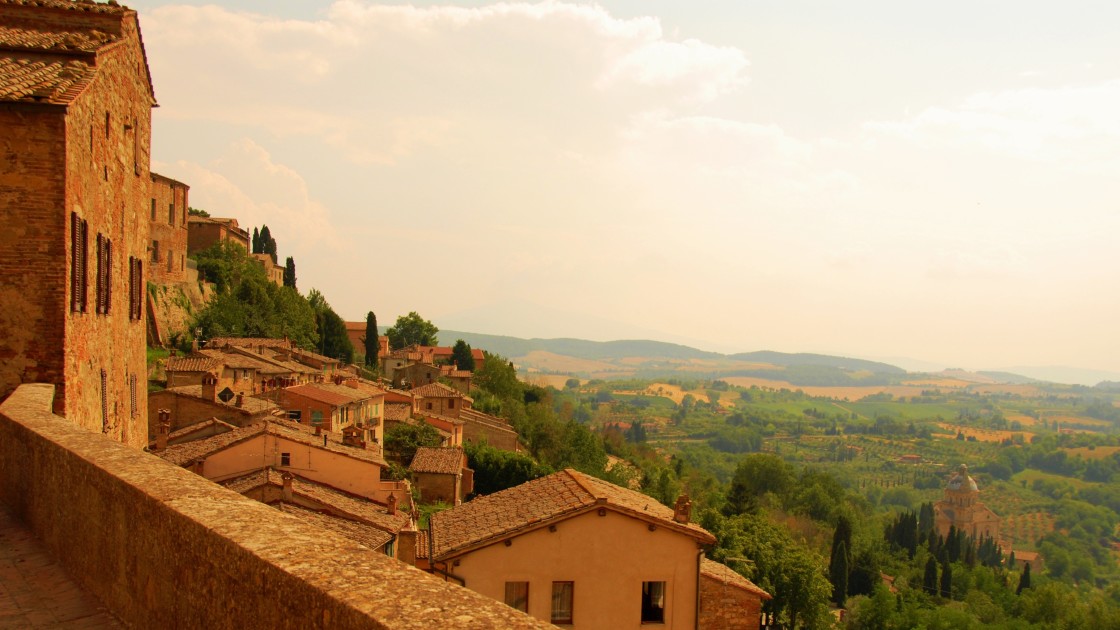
{"points": [[961, 481]]}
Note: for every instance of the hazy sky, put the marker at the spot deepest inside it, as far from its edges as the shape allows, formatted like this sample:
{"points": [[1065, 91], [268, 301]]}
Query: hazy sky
{"points": [[881, 179]]}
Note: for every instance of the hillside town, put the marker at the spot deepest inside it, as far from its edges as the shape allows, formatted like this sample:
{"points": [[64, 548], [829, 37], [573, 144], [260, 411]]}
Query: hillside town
{"points": [[93, 233]]}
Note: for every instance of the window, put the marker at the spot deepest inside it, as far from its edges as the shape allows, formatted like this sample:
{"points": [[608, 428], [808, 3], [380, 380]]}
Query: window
{"points": [[104, 275], [155, 251], [428, 406], [391, 548], [562, 602], [78, 264], [171, 213], [135, 288], [285, 459], [132, 395], [316, 417], [653, 602], [450, 403], [295, 414], [104, 400], [153, 208], [517, 596]]}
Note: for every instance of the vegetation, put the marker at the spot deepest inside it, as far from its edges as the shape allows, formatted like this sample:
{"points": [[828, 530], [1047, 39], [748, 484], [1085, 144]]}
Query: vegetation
{"points": [[402, 440], [371, 345], [461, 355], [333, 340], [410, 330]]}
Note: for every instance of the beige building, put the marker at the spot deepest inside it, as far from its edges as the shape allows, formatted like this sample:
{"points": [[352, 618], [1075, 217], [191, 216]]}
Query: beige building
{"points": [[322, 457], [441, 474], [961, 508], [578, 552]]}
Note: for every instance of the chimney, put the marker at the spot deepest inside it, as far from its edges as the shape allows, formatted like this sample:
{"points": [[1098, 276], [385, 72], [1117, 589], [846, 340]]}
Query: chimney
{"points": [[194, 344], [164, 429], [682, 511], [240, 398], [406, 545], [199, 466], [209, 387], [392, 502], [318, 429], [287, 491]]}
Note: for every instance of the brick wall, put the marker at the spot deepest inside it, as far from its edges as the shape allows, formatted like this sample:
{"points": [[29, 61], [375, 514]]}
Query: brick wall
{"points": [[499, 437], [725, 607], [435, 487], [164, 548], [167, 216], [188, 410]]}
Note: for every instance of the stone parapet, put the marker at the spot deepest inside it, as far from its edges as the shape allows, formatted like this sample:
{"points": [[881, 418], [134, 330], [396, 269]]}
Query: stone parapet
{"points": [[162, 547]]}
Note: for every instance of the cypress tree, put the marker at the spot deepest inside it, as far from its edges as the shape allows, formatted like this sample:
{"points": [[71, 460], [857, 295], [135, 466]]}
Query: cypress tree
{"points": [[1024, 579], [256, 241], [370, 341], [290, 272], [946, 581], [929, 580], [838, 574]]}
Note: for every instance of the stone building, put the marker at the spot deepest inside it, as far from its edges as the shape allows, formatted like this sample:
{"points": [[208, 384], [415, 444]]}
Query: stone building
{"points": [[203, 232], [583, 553], [75, 134], [441, 475], [961, 508], [168, 262]]}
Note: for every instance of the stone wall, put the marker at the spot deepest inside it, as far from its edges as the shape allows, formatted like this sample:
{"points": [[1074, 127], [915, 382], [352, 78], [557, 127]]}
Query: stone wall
{"points": [[725, 607], [168, 221], [162, 547]]}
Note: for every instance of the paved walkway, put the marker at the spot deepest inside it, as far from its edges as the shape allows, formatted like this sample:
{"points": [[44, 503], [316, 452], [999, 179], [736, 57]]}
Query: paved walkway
{"points": [[35, 592]]}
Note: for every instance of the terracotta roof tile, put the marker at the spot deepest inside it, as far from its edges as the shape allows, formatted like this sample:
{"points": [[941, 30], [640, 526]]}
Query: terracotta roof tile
{"points": [[723, 573], [182, 454], [339, 502], [89, 7], [443, 461], [38, 40], [422, 544], [437, 390], [358, 532], [249, 404], [42, 79], [242, 342], [320, 392], [447, 419], [497, 516], [396, 412], [191, 364]]}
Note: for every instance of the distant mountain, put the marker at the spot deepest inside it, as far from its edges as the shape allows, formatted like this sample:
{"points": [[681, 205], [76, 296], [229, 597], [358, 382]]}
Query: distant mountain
{"points": [[1065, 374], [1008, 377], [823, 360], [580, 348]]}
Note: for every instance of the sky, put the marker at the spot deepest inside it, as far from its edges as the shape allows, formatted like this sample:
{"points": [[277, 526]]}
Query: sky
{"points": [[918, 181]]}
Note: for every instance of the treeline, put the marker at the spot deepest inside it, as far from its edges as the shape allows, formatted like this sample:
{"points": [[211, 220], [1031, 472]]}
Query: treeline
{"points": [[247, 304]]}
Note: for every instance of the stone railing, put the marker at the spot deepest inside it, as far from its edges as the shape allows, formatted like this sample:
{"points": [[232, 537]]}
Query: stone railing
{"points": [[163, 547]]}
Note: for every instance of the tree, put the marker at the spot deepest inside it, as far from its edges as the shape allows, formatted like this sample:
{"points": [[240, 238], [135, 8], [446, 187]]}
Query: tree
{"points": [[334, 342], [839, 564], [197, 212], [1024, 579], [461, 355], [402, 440], [290, 272], [256, 241], [495, 469], [946, 581], [370, 342], [838, 574], [267, 243], [412, 329], [929, 580]]}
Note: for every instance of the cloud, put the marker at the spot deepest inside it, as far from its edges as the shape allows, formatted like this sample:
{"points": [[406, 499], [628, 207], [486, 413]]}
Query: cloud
{"points": [[247, 184], [1075, 126]]}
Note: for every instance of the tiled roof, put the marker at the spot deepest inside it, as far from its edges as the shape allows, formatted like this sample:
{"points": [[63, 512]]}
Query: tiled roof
{"points": [[340, 502], [319, 392], [723, 573], [298, 352], [367, 386], [397, 396], [241, 342], [442, 418], [396, 412], [353, 393], [443, 461], [437, 390], [191, 364], [199, 426], [422, 547], [233, 360], [37, 40], [249, 404], [42, 79], [361, 533], [472, 415], [80, 5], [181, 454], [491, 518]]}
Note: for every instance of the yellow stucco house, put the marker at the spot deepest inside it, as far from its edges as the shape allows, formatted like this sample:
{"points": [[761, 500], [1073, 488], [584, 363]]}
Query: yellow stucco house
{"points": [[578, 552]]}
